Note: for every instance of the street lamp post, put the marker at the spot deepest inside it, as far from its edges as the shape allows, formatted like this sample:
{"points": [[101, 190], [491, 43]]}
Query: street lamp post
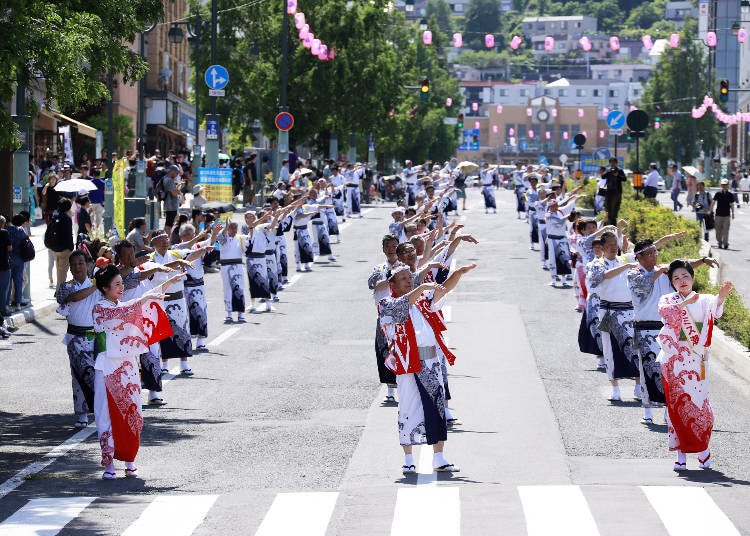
{"points": [[140, 174], [212, 145], [283, 136]]}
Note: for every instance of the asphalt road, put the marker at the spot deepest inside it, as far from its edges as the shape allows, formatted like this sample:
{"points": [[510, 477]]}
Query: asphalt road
{"points": [[283, 431]]}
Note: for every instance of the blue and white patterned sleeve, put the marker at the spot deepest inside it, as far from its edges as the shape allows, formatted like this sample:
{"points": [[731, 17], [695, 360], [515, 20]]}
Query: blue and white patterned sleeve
{"points": [[376, 275], [596, 273], [394, 310], [640, 283], [64, 292]]}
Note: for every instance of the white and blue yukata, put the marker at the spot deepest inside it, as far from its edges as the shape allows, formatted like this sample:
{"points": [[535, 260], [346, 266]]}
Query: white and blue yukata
{"points": [[487, 178], [232, 276]]}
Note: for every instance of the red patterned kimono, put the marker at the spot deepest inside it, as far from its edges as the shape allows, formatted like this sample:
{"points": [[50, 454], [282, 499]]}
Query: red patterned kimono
{"points": [[123, 332], [685, 340]]}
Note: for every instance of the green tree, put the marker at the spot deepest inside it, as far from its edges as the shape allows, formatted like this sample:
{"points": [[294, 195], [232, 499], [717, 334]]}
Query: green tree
{"points": [[123, 130], [680, 80], [441, 12], [482, 17], [645, 15], [66, 48]]}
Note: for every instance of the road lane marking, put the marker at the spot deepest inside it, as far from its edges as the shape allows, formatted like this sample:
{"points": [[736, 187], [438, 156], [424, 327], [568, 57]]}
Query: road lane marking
{"points": [[425, 473], [688, 511], [556, 510], [44, 516], [292, 514], [293, 280], [176, 515], [224, 336], [427, 510]]}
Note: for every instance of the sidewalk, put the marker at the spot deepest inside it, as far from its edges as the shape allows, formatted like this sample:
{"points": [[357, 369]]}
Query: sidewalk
{"points": [[42, 297]]}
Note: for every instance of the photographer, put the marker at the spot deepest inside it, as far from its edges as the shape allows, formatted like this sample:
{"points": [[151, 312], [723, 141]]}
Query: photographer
{"points": [[703, 212]]}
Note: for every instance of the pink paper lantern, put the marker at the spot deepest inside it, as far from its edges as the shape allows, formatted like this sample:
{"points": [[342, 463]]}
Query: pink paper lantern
{"points": [[476, 125], [657, 124], [448, 102], [323, 54], [528, 112], [474, 106], [648, 43], [565, 135], [494, 129], [458, 40], [291, 6], [299, 20], [554, 112], [580, 112], [315, 47], [549, 43], [614, 43], [548, 135], [531, 133], [586, 134], [331, 54], [601, 133], [307, 41], [511, 131], [605, 112], [304, 31], [742, 36], [674, 40], [515, 42], [585, 43], [427, 37], [632, 108], [711, 39], [499, 108], [489, 41]]}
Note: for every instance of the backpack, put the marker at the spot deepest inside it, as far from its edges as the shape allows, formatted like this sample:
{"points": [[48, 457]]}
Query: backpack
{"points": [[27, 250], [52, 234], [159, 191], [132, 178]]}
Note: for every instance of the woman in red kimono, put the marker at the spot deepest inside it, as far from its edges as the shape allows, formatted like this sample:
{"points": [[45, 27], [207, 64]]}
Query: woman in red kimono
{"points": [[122, 331], [685, 340]]}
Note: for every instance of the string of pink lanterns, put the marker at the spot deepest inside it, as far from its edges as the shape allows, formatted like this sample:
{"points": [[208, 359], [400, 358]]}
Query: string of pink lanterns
{"points": [[316, 47], [585, 43], [727, 119]]}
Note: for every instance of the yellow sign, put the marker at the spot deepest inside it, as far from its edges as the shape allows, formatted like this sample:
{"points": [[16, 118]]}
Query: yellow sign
{"points": [[118, 183]]}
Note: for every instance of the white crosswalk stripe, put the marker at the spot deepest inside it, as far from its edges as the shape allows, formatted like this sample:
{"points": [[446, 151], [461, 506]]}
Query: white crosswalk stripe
{"points": [[430, 507], [44, 516], [299, 513], [556, 510], [176, 515], [688, 511]]}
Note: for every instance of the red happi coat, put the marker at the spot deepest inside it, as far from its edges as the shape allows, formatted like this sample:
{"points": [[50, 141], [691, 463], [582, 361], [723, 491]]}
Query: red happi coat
{"points": [[403, 342]]}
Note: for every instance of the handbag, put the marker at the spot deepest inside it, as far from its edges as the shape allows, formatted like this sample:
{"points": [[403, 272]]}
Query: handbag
{"points": [[708, 219], [27, 250], [602, 192]]}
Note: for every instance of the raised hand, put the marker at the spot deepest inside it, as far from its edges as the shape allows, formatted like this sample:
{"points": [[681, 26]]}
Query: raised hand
{"points": [[725, 290], [467, 268]]}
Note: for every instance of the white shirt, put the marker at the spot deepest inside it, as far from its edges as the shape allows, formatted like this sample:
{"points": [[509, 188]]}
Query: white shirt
{"points": [[284, 174], [745, 184], [410, 176], [487, 177], [337, 179], [647, 307], [652, 179], [424, 334]]}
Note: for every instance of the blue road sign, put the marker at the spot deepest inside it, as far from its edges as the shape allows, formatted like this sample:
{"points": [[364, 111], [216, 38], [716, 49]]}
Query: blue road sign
{"points": [[212, 129], [470, 140], [616, 119], [523, 145], [216, 77], [573, 146]]}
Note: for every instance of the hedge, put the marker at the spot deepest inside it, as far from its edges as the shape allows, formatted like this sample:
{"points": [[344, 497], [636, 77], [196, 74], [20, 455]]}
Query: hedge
{"points": [[647, 219]]}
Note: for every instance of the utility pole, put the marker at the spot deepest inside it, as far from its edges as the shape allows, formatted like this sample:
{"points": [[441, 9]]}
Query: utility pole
{"points": [[21, 167], [109, 190], [212, 145], [283, 136]]}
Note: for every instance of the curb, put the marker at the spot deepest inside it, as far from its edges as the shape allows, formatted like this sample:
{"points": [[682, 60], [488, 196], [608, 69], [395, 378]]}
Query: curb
{"points": [[31, 314]]}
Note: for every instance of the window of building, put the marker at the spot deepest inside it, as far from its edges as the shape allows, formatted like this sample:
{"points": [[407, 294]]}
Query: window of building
{"points": [[458, 8], [614, 93], [523, 93], [503, 92], [636, 92], [580, 92], [617, 73], [596, 93], [562, 92]]}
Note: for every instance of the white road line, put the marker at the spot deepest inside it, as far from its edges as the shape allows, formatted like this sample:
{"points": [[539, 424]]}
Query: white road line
{"points": [[427, 510], [292, 514], [224, 336], [425, 473], [44, 517], [176, 515], [556, 510], [688, 511], [293, 280], [447, 313]]}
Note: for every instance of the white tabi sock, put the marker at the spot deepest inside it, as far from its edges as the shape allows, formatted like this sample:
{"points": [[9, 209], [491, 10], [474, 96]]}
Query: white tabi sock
{"points": [[200, 342], [616, 392], [438, 459], [448, 414], [681, 457], [648, 414], [638, 391], [391, 391], [130, 465], [184, 365], [408, 459]]}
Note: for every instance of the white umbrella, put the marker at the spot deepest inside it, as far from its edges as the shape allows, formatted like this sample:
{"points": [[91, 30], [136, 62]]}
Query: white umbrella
{"points": [[304, 171], [690, 170], [467, 167], [75, 186]]}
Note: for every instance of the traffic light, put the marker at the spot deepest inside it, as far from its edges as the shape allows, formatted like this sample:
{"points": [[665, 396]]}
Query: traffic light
{"points": [[657, 116], [724, 90], [425, 89], [460, 121]]}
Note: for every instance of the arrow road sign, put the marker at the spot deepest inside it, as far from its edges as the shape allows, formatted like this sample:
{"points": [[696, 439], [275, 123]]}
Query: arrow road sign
{"points": [[216, 77], [616, 119]]}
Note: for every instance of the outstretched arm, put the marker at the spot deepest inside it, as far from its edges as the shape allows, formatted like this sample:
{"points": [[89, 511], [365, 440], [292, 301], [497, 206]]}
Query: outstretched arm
{"points": [[452, 281]]}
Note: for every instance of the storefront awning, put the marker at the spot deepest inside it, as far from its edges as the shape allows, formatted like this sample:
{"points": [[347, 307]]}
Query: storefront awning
{"points": [[83, 128]]}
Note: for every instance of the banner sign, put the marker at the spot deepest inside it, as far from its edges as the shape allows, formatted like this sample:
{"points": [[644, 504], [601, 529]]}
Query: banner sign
{"points": [[217, 183], [118, 182]]}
